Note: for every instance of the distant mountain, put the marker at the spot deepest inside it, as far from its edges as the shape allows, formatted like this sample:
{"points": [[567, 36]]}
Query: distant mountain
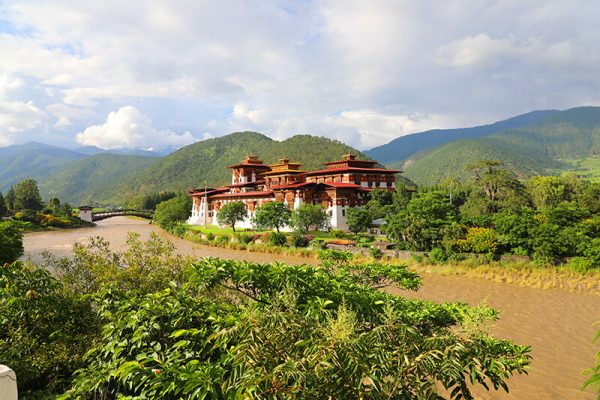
{"points": [[88, 180], [37, 160], [404, 147], [542, 147], [207, 161]]}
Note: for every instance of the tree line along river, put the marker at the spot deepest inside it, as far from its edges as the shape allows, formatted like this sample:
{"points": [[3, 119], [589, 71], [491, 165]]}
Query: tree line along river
{"points": [[559, 325]]}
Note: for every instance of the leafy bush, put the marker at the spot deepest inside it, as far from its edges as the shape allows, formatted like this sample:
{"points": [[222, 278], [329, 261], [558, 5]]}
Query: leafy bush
{"points": [[11, 242], [244, 238], [319, 334], [375, 253], [479, 240], [438, 255], [277, 239], [222, 239], [44, 330], [318, 243], [339, 234], [299, 240]]}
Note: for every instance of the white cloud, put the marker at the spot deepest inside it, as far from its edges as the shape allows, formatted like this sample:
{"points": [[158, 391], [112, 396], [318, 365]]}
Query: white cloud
{"points": [[353, 70], [128, 128]]}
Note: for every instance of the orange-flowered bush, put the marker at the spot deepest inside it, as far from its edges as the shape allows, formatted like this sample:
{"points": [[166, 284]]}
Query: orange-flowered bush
{"points": [[479, 240]]}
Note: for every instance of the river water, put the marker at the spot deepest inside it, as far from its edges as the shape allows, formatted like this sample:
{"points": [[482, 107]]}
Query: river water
{"points": [[556, 323]]}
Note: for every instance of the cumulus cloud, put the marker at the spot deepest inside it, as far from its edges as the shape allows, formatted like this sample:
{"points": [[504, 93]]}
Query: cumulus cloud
{"points": [[128, 128], [352, 70], [16, 116]]}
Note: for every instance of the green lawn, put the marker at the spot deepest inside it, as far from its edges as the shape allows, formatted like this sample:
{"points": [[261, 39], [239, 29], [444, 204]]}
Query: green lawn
{"points": [[588, 168]]}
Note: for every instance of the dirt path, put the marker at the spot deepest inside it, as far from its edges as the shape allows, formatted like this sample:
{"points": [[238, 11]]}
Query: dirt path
{"points": [[556, 323]]}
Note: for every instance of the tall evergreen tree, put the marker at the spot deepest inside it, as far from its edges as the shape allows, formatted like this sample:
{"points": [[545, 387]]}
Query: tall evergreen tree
{"points": [[27, 196], [9, 200], [3, 208]]}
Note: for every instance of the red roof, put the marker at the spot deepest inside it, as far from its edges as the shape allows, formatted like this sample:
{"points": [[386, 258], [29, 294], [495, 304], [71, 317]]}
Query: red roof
{"points": [[208, 191], [255, 165], [258, 193], [351, 161], [352, 169]]}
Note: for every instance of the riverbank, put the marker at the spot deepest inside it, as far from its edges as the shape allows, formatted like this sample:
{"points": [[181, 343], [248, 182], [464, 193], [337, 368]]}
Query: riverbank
{"points": [[519, 273]]}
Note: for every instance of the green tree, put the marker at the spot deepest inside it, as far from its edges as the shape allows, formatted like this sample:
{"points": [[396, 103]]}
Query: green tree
{"points": [[27, 196], [231, 213], [9, 200], [309, 215], [11, 242], [550, 191], [358, 219], [3, 208], [422, 223], [273, 214], [54, 205], [495, 187], [173, 211]]}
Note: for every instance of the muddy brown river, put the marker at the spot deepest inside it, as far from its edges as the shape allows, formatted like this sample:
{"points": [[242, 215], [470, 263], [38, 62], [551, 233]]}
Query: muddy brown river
{"points": [[556, 323]]}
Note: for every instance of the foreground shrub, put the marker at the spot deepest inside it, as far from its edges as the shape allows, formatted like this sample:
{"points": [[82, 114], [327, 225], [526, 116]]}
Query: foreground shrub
{"points": [[44, 330], [11, 242], [246, 330]]}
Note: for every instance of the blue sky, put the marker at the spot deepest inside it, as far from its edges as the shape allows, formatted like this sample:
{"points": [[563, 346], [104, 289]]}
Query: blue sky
{"points": [[155, 74]]}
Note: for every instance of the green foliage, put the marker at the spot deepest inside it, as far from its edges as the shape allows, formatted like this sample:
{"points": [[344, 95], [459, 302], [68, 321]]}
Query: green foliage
{"points": [[244, 238], [11, 242], [144, 267], [299, 240], [268, 330], [375, 253], [423, 221], [231, 213], [32, 160], [272, 215], [3, 208], [171, 212], [593, 373], [95, 179], [358, 219], [438, 256], [309, 216], [277, 239], [148, 201], [27, 196], [44, 331]]}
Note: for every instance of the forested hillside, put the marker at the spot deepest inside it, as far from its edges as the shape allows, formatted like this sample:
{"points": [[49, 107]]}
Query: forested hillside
{"points": [[540, 148], [402, 148], [19, 162], [88, 180]]}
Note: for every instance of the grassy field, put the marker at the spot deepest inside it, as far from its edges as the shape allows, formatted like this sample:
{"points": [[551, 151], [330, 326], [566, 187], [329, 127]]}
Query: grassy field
{"points": [[588, 168]]}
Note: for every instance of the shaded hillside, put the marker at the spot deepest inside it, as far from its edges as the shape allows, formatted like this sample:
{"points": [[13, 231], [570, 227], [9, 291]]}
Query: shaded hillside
{"points": [[404, 147], [19, 162], [207, 161], [536, 149], [89, 180]]}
